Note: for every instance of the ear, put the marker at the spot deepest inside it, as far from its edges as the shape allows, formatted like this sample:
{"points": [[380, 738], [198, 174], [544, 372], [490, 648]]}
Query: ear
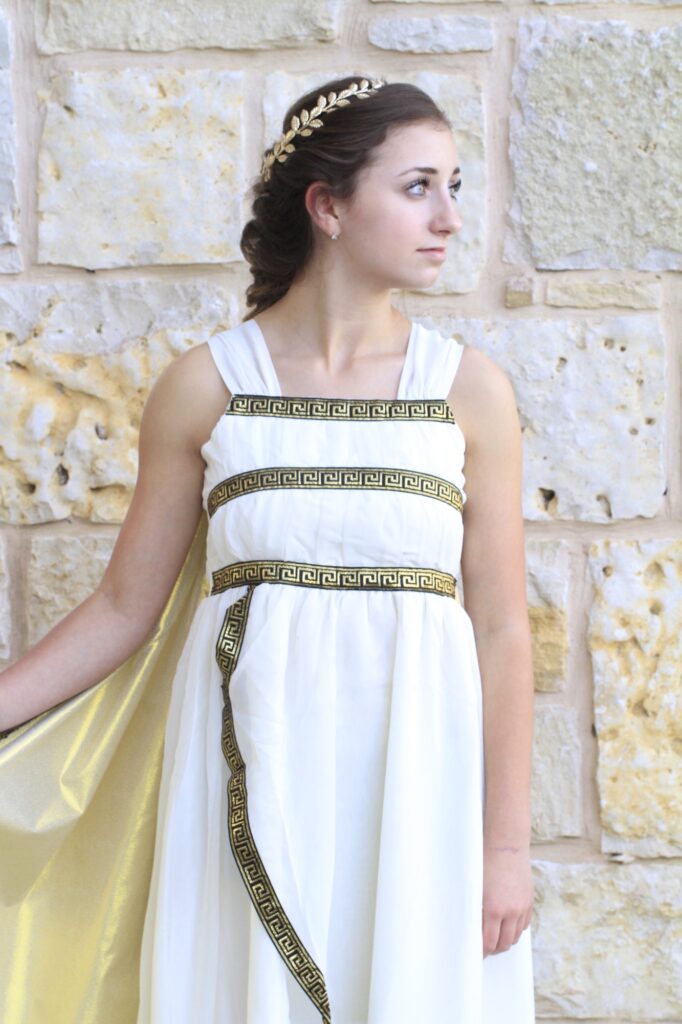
{"points": [[323, 207]]}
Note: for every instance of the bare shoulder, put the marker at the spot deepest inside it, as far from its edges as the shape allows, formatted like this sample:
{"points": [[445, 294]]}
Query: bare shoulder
{"points": [[191, 392], [482, 397]]}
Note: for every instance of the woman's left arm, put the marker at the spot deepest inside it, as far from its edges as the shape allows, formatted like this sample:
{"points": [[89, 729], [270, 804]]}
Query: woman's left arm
{"points": [[493, 575], [506, 675]]}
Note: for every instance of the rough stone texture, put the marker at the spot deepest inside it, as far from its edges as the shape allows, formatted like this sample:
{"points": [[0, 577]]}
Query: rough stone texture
{"points": [[547, 590], [65, 25], [460, 98], [592, 3], [593, 292], [431, 35], [556, 791], [10, 255], [5, 616], [519, 291], [62, 572], [635, 625], [607, 941], [76, 364], [596, 148], [590, 395], [148, 168], [450, 3], [141, 167]]}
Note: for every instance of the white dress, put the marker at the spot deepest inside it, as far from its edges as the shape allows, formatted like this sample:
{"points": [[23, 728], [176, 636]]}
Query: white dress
{"points": [[330, 682]]}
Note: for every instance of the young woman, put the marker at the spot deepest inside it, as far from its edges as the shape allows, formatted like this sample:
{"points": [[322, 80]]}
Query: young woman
{"points": [[342, 826]]}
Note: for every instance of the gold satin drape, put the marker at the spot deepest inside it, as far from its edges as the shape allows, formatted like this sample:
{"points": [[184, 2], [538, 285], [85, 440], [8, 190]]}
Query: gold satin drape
{"points": [[79, 788]]}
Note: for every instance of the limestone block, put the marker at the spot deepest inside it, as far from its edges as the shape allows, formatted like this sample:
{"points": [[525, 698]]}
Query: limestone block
{"points": [[556, 791], [66, 25], [10, 254], [590, 394], [635, 624], [659, 3], [5, 613], [450, 3], [141, 166], [460, 98], [596, 147], [644, 293], [547, 582], [607, 941], [519, 292], [431, 35], [77, 361], [62, 572]]}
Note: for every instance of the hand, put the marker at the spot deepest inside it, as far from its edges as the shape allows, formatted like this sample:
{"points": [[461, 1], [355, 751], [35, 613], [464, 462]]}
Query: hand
{"points": [[507, 895]]}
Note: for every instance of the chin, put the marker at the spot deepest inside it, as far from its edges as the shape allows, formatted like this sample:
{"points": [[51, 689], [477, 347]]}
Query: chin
{"points": [[417, 280]]}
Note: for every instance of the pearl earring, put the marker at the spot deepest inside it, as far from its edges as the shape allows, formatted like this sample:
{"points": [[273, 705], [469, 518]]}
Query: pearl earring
{"points": [[334, 237]]}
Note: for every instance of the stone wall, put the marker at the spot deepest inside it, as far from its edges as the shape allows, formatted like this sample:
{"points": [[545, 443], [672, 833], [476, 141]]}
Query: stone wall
{"points": [[130, 136]]}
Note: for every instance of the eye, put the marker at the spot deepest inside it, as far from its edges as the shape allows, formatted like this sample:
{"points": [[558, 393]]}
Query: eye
{"points": [[456, 185]]}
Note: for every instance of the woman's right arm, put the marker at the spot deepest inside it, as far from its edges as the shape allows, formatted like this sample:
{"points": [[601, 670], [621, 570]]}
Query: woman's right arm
{"points": [[105, 629]]}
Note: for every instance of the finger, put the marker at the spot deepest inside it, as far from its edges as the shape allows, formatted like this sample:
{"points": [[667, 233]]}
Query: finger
{"points": [[507, 936], [491, 932], [520, 925]]}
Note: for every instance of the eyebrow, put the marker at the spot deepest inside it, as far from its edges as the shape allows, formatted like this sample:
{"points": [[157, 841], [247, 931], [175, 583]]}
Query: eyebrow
{"points": [[424, 170]]}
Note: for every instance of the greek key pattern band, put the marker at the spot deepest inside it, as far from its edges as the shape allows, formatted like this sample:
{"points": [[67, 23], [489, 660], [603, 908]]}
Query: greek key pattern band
{"points": [[352, 577], [341, 408], [362, 477], [249, 862]]}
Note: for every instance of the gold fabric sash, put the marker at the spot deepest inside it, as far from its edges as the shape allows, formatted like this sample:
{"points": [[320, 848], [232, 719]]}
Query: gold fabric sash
{"points": [[79, 791]]}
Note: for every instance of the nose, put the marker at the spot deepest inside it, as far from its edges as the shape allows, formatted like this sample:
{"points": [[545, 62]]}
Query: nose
{"points": [[450, 220]]}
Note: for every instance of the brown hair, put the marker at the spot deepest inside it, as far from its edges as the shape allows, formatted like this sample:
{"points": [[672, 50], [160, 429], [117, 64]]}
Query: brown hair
{"points": [[277, 242]]}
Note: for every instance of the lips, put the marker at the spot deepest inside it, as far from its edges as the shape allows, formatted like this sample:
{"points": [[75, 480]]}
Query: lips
{"points": [[434, 248]]}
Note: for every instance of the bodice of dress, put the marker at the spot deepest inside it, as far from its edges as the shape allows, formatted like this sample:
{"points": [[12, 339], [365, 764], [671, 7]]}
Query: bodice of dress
{"points": [[335, 481]]}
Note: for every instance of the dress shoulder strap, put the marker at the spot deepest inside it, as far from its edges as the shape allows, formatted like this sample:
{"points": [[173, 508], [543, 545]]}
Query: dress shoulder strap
{"points": [[434, 364], [243, 365]]}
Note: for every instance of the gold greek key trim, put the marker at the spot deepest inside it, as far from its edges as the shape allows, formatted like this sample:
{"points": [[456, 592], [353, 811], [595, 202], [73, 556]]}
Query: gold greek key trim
{"points": [[364, 477], [230, 638], [353, 577], [251, 867], [341, 408]]}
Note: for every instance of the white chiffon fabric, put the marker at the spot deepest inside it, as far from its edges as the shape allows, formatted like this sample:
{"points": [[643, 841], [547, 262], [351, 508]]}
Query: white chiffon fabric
{"points": [[358, 715]]}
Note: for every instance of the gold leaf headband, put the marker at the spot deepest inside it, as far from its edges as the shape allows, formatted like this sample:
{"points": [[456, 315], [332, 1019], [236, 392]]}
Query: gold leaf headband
{"points": [[303, 124]]}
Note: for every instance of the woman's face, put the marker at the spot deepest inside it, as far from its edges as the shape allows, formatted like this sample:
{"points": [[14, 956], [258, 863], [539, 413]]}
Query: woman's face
{"points": [[399, 210]]}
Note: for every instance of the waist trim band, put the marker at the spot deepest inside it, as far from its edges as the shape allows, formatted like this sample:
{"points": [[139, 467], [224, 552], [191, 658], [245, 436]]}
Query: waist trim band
{"points": [[352, 577]]}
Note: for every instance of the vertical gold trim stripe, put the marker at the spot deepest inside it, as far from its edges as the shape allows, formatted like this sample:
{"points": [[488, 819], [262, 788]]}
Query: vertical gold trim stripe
{"points": [[258, 883], [346, 477]]}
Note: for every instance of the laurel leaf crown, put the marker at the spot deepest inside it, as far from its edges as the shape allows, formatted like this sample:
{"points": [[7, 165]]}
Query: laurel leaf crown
{"points": [[305, 121]]}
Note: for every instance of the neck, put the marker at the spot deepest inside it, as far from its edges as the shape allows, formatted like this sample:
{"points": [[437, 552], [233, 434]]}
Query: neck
{"points": [[332, 329]]}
